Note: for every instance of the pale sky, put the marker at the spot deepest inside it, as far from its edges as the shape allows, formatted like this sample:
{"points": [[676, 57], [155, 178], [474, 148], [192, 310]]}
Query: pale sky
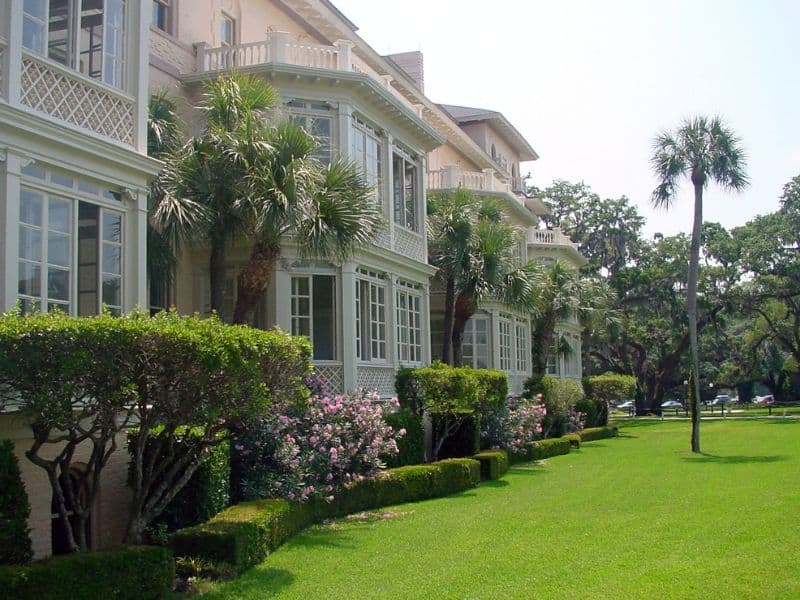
{"points": [[590, 83]]}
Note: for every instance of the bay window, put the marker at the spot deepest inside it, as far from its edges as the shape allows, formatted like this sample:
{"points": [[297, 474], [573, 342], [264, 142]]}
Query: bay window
{"points": [[409, 324], [313, 302], [85, 35], [366, 153], [504, 327], [521, 332], [370, 294], [317, 119], [405, 191], [475, 343]]}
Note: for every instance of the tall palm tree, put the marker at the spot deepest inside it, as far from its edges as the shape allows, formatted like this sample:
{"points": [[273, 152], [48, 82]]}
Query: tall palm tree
{"points": [[704, 149]]}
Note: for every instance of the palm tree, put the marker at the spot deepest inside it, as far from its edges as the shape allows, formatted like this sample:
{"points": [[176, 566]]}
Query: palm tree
{"points": [[565, 294], [246, 177], [703, 149]]}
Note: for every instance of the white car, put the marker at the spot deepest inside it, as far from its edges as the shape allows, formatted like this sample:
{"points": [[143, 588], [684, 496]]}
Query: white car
{"points": [[627, 405], [671, 404], [768, 399]]}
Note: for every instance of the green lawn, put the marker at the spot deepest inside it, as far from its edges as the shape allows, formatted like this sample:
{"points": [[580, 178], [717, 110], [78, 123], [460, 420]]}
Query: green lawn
{"points": [[633, 517]]}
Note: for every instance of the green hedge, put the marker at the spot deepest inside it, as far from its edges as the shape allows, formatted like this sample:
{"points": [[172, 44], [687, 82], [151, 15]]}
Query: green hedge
{"points": [[135, 572], [541, 449], [15, 543], [243, 535], [598, 433], [494, 463], [412, 445], [574, 439]]}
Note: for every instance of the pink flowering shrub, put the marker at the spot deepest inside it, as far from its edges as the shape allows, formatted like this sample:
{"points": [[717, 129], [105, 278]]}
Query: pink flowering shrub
{"points": [[575, 420], [513, 425], [312, 450]]}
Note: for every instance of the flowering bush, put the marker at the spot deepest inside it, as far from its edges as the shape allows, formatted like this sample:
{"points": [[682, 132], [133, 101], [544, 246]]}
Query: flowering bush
{"points": [[513, 425], [575, 421], [301, 452]]}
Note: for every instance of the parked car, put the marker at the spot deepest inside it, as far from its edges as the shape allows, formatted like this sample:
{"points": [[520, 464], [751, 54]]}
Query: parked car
{"points": [[768, 399], [721, 399], [672, 404], [628, 404]]}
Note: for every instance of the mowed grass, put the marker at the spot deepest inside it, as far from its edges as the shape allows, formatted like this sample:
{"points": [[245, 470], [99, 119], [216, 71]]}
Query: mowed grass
{"points": [[633, 517]]}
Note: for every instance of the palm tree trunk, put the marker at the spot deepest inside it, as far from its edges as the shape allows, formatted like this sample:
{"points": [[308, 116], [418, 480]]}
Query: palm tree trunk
{"points": [[543, 342], [216, 269], [449, 317], [464, 309], [691, 306], [253, 281]]}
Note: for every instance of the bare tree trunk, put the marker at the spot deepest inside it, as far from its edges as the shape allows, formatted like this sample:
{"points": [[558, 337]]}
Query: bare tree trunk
{"points": [[254, 280], [449, 316], [464, 309], [691, 303]]}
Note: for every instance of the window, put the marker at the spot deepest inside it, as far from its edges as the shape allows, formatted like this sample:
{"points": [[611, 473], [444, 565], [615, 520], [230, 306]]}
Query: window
{"points": [[366, 153], [46, 275], [227, 31], [313, 301], [405, 191], [162, 15], [370, 318], [521, 332], [475, 344], [409, 324], [85, 35], [317, 119], [553, 358], [504, 326]]}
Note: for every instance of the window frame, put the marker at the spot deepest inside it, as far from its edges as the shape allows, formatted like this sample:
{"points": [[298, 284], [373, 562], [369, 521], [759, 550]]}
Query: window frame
{"points": [[504, 343], [295, 316], [406, 213], [408, 304], [471, 330], [167, 7], [371, 294], [306, 110], [521, 339], [227, 18], [361, 156]]}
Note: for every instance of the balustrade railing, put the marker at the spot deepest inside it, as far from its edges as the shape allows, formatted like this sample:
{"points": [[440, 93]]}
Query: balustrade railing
{"points": [[549, 236]]}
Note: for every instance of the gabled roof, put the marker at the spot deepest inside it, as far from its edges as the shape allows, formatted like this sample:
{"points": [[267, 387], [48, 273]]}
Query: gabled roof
{"points": [[467, 114]]}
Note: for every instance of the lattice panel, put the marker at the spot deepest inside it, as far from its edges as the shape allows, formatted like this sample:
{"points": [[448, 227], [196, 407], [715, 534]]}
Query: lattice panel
{"points": [[72, 99], [384, 240], [333, 376], [409, 244], [377, 378]]}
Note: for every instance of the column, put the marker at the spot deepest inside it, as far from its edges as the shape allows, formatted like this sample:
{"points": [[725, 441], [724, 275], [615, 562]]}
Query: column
{"points": [[10, 165], [135, 277], [345, 130], [425, 308], [12, 56], [348, 313], [494, 341], [282, 285], [139, 73]]}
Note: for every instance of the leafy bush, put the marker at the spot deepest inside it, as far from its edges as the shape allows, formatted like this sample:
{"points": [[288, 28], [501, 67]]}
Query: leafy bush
{"points": [[130, 572], [516, 423], [411, 446], [243, 535], [494, 463], [541, 449], [590, 409], [605, 388], [558, 397], [15, 541], [599, 433], [165, 373], [297, 451], [574, 440], [205, 494]]}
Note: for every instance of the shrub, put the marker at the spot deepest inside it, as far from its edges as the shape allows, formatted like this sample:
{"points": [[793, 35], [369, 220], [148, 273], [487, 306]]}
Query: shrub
{"points": [[15, 541], [494, 463], [516, 423], [411, 446], [599, 433], [605, 388], [590, 408], [574, 439], [463, 437], [303, 450], [558, 397], [243, 535], [130, 572], [541, 449], [205, 494]]}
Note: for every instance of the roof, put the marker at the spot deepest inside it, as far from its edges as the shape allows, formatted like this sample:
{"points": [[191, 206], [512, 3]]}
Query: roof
{"points": [[467, 114]]}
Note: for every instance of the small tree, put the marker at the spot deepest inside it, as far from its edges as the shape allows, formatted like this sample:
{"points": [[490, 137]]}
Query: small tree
{"points": [[608, 387], [15, 541]]}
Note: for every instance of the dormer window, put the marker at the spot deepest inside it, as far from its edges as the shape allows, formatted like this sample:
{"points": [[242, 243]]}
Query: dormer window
{"points": [[85, 35]]}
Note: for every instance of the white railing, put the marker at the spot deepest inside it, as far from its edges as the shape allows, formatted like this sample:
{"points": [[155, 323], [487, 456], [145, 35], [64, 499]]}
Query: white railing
{"points": [[67, 95], [550, 237], [452, 177], [279, 48]]}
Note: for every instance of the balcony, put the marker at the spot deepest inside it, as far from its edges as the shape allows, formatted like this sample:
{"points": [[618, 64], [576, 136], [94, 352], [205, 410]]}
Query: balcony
{"points": [[550, 237], [278, 48], [452, 177]]}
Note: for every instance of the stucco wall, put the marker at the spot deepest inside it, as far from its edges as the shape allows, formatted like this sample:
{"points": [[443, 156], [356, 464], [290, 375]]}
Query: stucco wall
{"points": [[113, 498], [448, 154]]}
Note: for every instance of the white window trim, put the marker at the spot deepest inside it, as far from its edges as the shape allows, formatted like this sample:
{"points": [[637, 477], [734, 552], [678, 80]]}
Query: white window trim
{"points": [[375, 284], [409, 323]]}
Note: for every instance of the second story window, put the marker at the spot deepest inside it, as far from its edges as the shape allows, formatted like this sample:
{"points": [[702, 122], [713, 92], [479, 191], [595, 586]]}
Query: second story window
{"points": [[85, 35], [317, 119], [227, 33], [405, 190], [162, 15], [366, 153]]}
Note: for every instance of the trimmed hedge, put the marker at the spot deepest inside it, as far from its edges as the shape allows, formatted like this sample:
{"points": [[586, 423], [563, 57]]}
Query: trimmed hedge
{"points": [[541, 449], [598, 433], [15, 543], [244, 535], [134, 572], [494, 463], [412, 445], [574, 439]]}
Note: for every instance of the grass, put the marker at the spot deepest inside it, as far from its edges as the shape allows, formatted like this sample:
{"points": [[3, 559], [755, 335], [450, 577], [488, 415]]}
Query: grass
{"points": [[633, 517]]}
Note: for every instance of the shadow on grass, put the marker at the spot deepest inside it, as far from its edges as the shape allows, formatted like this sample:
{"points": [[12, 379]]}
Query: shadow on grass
{"points": [[495, 483], [732, 460], [781, 421]]}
